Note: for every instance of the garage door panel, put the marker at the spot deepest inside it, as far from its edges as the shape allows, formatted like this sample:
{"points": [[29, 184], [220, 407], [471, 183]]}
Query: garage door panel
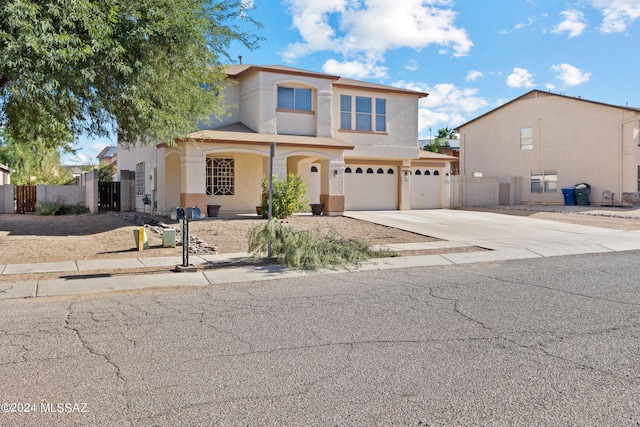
{"points": [[376, 190], [426, 188]]}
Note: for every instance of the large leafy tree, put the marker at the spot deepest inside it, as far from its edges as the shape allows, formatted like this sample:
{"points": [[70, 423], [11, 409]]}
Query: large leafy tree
{"points": [[152, 69], [35, 162]]}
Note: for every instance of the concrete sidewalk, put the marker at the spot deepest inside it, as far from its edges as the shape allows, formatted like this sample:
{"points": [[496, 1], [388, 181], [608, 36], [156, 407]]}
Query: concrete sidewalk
{"points": [[506, 237]]}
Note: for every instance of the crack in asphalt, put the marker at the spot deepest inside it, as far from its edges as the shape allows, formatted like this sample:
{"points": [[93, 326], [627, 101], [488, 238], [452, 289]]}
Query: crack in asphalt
{"points": [[105, 357]]}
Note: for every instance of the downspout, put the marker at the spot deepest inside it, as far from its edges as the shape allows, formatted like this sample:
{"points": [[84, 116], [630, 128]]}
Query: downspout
{"points": [[621, 155]]}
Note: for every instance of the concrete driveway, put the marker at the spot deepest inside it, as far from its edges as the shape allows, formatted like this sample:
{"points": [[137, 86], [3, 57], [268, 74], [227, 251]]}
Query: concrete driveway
{"points": [[506, 233]]}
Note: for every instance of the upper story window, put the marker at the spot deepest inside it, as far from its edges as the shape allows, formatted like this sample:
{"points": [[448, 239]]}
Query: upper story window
{"points": [[367, 118], [526, 138], [381, 115], [345, 112], [363, 113], [294, 98]]}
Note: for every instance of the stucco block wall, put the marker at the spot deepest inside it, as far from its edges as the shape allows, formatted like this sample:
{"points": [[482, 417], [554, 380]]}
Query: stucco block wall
{"points": [[580, 140], [65, 194], [6, 199]]}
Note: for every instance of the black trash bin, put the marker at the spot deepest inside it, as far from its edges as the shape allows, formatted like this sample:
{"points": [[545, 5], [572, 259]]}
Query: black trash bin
{"points": [[569, 194], [582, 192]]}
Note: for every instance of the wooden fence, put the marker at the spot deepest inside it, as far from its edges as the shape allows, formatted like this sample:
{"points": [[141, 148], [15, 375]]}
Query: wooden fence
{"points": [[26, 198]]}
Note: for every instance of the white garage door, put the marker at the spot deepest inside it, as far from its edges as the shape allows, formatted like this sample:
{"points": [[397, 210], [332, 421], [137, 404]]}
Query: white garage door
{"points": [[369, 187], [426, 188]]}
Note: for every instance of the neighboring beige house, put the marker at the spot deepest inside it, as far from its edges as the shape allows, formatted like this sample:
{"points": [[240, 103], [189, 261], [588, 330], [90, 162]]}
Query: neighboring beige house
{"points": [[5, 175], [541, 142], [354, 143], [108, 156]]}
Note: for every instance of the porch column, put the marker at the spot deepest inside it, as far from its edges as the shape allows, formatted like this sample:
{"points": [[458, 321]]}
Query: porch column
{"points": [[193, 190], [404, 186], [446, 193], [332, 187]]}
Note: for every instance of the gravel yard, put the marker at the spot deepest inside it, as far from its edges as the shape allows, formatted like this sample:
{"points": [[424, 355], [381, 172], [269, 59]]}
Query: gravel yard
{"points": [[36, 239]]}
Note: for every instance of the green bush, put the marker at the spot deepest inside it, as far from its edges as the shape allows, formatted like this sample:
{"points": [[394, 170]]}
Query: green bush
{"points": [[51, 208], [288, 196], [307, 250]]}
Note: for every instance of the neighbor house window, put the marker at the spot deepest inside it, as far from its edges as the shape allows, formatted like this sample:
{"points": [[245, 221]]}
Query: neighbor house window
{"points": [[220, 177], [291, 98], [140, 179], [526, 139], [370, 113], [544, 181]]}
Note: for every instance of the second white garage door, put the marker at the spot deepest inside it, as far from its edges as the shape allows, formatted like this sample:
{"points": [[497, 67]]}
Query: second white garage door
{"points": [[426, 188], [370, 187]]}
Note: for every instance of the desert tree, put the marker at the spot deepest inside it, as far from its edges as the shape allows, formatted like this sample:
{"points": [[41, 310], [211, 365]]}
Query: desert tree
{"points": [[145, 71]]}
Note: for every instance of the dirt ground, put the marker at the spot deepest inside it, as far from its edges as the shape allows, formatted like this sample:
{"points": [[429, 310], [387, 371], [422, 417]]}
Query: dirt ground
{"points": [[36, 239]]}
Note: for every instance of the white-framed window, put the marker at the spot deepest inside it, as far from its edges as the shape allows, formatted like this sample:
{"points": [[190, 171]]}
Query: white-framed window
{"points": [[381, 115], [294, 98], [526, 138], [370, 113], [140, 179], [220, 177], [544, 181], [345, 112], [363, 113]]}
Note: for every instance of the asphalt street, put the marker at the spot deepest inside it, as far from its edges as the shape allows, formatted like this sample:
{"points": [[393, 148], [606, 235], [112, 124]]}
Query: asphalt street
{"points": [[542, 341]]}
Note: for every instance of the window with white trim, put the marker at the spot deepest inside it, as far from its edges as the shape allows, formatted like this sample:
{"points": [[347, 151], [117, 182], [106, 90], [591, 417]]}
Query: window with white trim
{"points": [[544, 181], [381, 115], [345, 112], [365, 114], [294, 98], [526, 138], [220, 176]]}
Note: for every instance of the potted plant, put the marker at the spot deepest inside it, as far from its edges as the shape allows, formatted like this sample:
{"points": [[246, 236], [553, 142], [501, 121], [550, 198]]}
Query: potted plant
{"points": [[213, 210]]}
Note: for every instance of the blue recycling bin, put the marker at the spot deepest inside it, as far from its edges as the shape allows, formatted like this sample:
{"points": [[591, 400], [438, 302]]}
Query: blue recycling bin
{"points": [[569, 194]]}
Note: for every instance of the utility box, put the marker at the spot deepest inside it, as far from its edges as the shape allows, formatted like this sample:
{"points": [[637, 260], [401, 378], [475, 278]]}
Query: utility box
{"points": [[169, 238], [140, 237]]}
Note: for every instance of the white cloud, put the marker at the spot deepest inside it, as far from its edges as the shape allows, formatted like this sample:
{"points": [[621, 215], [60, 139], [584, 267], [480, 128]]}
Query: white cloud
{"points": [[411, 65], [617, 14], [372, 27], [520, 25], [446, 105], [573, 23], [473, 75], [520, 78], [570, 75], [356, 69]]}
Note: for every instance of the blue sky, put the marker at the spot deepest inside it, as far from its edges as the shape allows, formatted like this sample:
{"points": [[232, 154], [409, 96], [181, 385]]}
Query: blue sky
{"points": [[470, 56]]}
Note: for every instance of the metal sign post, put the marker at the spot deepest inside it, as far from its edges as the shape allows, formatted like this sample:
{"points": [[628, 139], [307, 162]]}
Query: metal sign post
{"points": [[184, 228], [272, 153]]}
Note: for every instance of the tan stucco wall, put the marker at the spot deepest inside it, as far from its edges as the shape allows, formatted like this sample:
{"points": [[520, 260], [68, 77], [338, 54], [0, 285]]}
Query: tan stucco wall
{"points": [[578, 139]]}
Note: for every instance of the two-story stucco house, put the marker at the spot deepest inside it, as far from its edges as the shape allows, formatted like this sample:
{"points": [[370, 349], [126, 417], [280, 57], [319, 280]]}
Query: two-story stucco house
{"points": [[542, 142], [354, 143]]}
